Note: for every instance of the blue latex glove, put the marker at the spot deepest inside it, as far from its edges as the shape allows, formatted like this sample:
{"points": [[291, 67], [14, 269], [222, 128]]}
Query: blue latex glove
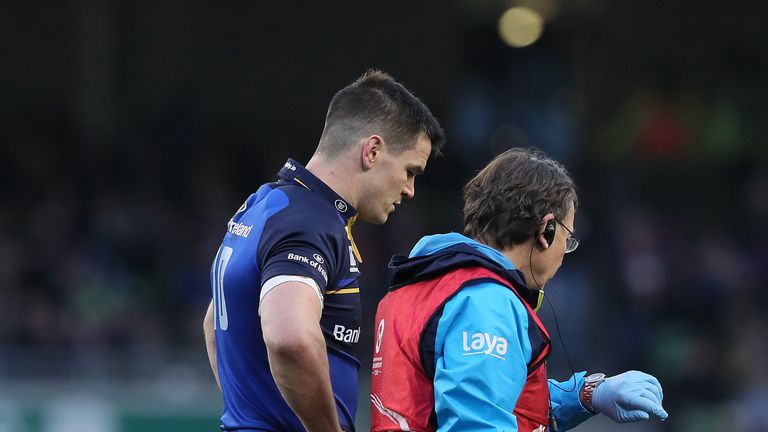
{"points": [[630, 397]]}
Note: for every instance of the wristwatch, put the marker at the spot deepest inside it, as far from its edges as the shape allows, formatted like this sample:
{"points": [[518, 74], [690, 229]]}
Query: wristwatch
{"points": [[587, 391]]}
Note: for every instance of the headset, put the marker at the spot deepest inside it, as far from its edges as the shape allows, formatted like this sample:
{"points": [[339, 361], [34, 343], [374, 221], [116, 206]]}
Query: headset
{"points": [[549, 232], [549, 237]]}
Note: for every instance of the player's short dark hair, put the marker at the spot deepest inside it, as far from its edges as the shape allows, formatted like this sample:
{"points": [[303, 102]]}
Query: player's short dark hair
{"points": [[505, 202], [377, 104]]}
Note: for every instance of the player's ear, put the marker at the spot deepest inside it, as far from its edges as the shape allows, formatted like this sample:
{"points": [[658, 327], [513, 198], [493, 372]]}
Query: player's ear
{"points": [[371, 151]]}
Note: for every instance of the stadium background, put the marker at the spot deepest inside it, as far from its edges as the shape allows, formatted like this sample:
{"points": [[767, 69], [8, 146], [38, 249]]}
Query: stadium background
{"points": [[131, 131]]}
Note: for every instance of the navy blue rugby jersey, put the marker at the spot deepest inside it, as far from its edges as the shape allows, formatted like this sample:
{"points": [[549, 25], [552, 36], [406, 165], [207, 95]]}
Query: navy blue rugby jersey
{"points": [[296, 226]]}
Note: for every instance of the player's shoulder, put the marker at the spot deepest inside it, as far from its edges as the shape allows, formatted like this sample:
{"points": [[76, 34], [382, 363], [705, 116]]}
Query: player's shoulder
{"points": [[297, 214], [311, 209], [290, 201], [302, 198]]}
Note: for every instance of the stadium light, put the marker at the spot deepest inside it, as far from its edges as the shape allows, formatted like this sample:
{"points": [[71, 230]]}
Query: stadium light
{"points": [[520, 26]]}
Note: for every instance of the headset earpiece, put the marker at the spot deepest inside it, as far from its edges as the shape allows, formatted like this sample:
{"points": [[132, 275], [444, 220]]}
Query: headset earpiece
{"points": [[549, 232]]}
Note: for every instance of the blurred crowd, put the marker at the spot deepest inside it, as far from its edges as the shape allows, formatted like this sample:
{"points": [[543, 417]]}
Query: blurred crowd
{"points": [[100, 245]]}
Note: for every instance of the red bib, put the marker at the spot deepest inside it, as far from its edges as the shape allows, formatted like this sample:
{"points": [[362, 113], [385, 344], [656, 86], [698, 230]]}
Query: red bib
{"points": [[402, 391]]}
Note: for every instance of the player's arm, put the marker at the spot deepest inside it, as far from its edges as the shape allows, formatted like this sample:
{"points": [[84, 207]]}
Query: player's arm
{"points": [[210, 342], [290, 320], [475, 390]]}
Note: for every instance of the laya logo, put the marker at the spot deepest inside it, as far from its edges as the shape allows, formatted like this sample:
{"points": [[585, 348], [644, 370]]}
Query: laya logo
{"points": [[290, 166], [484, 343]]}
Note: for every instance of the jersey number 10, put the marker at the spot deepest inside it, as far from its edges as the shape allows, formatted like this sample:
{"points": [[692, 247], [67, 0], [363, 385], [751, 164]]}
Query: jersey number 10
{"points": [[221, 320]]}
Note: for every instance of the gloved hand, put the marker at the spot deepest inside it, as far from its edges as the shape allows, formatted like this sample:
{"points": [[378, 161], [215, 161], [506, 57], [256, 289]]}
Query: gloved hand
{"points": [[630, 397]]}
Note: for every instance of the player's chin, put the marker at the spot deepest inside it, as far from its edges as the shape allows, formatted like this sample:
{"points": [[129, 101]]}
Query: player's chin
{"points": [[384, 216], [376, 219]]}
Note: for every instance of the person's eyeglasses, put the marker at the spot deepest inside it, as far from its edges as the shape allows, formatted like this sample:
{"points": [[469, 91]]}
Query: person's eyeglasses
{"points": [[572, 242]]}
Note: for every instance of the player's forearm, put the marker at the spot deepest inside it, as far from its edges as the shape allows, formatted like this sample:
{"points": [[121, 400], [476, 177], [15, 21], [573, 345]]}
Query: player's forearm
{"points": [[210, 342], [300, 370]]}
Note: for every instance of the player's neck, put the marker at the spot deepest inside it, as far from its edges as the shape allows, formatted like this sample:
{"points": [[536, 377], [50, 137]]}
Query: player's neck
{"points": [[336, 176]]}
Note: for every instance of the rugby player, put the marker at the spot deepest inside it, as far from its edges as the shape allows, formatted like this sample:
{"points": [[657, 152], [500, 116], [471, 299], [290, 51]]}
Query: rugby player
{"points": [[285, 313]]}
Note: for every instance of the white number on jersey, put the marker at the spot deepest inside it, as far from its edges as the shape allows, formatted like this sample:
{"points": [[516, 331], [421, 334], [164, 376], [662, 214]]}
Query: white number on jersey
{"points": [[221, 320]]}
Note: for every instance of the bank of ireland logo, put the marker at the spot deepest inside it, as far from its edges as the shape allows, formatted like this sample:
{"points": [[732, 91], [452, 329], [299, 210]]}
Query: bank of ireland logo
{"points": [[379, 335], [318, 258], [340, 205]]}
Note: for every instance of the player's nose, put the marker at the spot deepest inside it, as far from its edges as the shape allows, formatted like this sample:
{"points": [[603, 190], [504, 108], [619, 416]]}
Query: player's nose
{"points": [[409, 190]]}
